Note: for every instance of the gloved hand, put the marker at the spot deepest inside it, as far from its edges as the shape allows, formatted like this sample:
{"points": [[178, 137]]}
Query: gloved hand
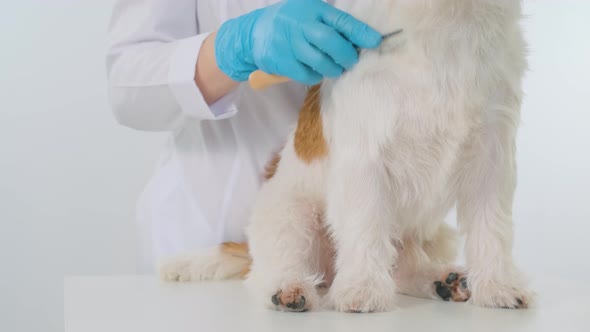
{"points": [[305, 40]]}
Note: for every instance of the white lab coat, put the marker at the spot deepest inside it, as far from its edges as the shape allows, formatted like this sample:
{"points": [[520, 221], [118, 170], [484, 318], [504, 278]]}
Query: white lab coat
{"points": [[203, 188]]}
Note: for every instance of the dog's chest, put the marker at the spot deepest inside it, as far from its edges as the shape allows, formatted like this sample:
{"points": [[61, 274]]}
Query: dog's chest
{"points": [[411, 106], [407, 94]]}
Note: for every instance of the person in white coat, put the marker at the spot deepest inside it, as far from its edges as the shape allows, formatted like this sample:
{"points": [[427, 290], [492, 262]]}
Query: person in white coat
{"points": [[177, 66]]}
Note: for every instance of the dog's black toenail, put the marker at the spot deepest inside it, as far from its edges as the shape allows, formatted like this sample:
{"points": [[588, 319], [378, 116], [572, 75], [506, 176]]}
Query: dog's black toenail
{"points": [[302, 302], [443, 291], [452, 278], [463, 283], [299, 305], [275, 299], [519, 301], [289, 305]]}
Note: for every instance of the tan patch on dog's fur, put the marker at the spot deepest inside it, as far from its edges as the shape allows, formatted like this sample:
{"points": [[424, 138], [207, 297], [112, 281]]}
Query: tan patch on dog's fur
{"points": [[239, 250], [244, 273], [236, 249], [310, 144], [272, 166]]}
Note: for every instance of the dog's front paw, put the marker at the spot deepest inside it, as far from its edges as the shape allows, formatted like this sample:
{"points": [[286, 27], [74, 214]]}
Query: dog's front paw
{"points": [[295, 297], [505, 293], [368, 296], [292, 300]]}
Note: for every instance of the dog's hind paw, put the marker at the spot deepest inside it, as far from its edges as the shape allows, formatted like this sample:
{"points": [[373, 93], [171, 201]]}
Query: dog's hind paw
{"points": [[175, 270], [453, 286]]}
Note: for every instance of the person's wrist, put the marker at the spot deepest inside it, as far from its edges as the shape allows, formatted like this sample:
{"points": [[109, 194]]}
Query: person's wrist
{"points": [[211, 81]]}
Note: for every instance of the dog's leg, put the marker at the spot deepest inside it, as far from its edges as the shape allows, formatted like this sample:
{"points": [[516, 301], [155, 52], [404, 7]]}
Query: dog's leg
{"points": [[360, 215], [485, 197], [284, 237]]}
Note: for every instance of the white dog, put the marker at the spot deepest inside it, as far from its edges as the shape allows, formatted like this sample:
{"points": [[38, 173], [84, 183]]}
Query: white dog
{"points": [[356, 199]]}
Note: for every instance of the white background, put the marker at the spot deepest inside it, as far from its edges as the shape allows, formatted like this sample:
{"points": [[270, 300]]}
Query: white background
{"points": [[69, 175]]}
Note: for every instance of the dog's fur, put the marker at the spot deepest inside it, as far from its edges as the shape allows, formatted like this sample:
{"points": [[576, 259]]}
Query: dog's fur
{"points": [[426, 122]]}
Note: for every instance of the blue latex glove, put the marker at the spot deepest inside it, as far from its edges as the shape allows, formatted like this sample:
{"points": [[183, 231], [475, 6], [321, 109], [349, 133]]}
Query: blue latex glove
{"points": [[305, 40]]}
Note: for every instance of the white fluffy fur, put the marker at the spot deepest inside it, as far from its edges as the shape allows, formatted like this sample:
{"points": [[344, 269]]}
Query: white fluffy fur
{"points": [[427, 122]]}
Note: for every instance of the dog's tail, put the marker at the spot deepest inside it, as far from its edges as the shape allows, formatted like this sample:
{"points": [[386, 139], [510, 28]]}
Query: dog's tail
{"points": [[225, 262]]}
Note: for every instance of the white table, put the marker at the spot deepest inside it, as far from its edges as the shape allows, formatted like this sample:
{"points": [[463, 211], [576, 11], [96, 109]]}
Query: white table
{"points": [[107, 304]]}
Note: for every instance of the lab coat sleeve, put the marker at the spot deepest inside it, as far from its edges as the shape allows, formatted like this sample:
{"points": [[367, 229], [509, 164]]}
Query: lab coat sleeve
{"points": [[151, 60]]}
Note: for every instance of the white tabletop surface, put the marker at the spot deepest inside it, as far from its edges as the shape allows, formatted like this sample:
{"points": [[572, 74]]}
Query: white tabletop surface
{"points": [[144, 304]]}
